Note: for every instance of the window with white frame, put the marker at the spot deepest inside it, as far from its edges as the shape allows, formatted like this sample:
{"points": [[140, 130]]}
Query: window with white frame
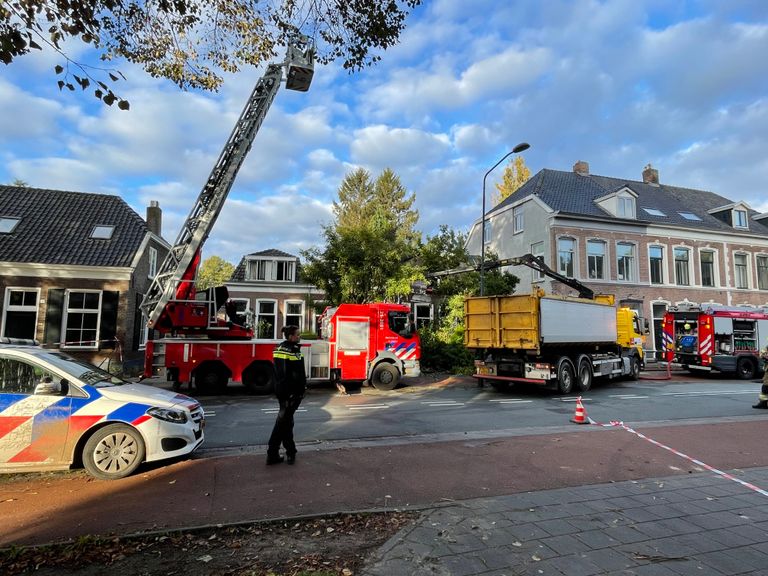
{"points": [[257, 270], [656, 264], [152, 262], [740, 219], [625, 206], [266, 318], [20, 312], [8, 225], [596, 259], [82, 310], [741, 271], [565, 251], [537, 249], [283, 270], [518, 219], [762, 272], [682, 267], [294, 313], [625, 262], [487, 228], [707, 264]]}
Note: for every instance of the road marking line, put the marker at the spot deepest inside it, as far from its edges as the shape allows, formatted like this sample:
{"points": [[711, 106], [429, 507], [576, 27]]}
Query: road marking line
{"points": [[715, 393], [628, 396], [368, 407], [572, 399], [514, 401], [276, 410], [444, 403]]}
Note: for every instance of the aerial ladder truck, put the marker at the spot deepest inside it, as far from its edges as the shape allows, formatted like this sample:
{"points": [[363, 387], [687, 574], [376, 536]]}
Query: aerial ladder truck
{"points": [[172, 305]]}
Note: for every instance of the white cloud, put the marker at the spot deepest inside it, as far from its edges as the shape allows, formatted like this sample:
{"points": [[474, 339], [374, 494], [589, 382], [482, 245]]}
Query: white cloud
{"points": [[381, 147]]}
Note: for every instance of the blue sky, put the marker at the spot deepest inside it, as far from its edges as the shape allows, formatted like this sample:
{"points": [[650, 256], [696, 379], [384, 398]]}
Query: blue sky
{"points": [[682, 85]]}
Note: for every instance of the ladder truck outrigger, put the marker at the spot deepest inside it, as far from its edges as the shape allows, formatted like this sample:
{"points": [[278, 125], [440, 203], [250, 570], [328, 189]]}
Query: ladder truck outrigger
{"points": [[376, 343], [558, 341]]}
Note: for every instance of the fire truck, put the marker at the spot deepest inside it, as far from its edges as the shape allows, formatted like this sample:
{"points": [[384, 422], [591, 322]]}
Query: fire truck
{"points": [[716, 338], [376, 343]]}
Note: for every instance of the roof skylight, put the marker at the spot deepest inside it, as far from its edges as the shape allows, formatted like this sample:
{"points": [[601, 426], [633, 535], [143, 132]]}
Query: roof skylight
{"points": [[7, 225], [689, 216], [102, 232], [654, 212]]}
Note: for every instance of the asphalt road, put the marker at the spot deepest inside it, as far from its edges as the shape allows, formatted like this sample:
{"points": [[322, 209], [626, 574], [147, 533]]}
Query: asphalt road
{"points": [[460, 407]]}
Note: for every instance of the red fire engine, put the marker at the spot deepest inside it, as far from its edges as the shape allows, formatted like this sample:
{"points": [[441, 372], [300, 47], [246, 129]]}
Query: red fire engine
{"points": [[716, 338], [360, 342]]}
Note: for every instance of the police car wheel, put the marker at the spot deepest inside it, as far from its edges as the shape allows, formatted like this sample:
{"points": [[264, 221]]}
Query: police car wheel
{"points": [[113, 452]]}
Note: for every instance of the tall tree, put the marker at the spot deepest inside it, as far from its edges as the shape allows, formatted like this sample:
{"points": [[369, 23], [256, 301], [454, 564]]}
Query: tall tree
{"points": [[214, 271], [192, 42], [516, 173], [369, 247]]}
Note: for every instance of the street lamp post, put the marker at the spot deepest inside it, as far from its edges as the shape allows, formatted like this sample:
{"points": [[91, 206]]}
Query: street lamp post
{"points": [[519, 148]]}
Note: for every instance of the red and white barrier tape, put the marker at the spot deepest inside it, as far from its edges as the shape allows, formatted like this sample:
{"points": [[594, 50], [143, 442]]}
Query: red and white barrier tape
{"points": [[619, 424]]}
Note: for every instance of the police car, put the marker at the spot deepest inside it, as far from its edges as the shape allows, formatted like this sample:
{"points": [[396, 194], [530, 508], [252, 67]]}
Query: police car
{"points": [[59, 412]]}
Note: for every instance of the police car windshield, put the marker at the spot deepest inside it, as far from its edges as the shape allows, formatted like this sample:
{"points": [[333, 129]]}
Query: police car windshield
{"points": [[87, 373]]}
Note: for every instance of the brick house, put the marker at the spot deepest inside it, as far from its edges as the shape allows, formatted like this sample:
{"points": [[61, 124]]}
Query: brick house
{"points": [[651, 244], [73, 268], [267, 286]]}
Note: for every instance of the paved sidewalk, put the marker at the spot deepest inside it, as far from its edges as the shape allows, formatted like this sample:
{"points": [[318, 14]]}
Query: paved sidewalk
{"points": [[697, 524]]}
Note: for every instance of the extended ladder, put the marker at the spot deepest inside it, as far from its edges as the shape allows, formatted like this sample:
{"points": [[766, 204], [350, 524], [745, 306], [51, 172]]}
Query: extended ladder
{"points": [[175, 271]]}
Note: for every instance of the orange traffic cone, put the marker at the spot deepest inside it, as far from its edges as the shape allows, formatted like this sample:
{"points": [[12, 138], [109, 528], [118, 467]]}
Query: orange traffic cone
{"points": [[580, 416]]}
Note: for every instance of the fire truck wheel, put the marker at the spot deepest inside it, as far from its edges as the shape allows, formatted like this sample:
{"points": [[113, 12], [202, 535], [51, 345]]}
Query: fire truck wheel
{"points": [[385, 376], [585, 374], [634, 368], [113, 452], [565, 376], [210, 380], [745, 369], [259, 379]]}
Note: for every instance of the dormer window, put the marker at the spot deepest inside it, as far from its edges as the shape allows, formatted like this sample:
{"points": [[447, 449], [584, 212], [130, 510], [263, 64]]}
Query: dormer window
{"points": [[102, 232], [8, 225], [271, 270], [625, 205], [740, 219]]}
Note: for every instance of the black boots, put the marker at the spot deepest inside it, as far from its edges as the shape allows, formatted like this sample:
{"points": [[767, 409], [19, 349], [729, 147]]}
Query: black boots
{"points": [[290, 459], [274, 459], [762, 404]]}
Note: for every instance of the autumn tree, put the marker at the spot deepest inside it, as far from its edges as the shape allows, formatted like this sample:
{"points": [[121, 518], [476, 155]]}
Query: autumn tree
{"points": [[214, 271], [370, 248], [193, 42], [516, 173]]}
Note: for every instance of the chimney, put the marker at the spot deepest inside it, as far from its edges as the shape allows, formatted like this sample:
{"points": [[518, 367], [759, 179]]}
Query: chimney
{"points": [[581, 168], [155, 218], [651, 175]]}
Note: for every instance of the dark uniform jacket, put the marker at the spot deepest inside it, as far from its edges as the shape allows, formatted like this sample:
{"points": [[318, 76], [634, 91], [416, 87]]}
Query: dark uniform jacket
{"points": [[290, 378]]}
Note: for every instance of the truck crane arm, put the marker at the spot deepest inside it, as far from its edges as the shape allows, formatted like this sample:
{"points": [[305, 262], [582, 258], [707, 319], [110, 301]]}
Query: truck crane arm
{"points": [[534, 262], [176, 276]]}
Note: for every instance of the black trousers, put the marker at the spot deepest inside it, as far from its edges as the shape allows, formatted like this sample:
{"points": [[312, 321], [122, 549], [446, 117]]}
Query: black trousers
{"points": [[282, 433]]}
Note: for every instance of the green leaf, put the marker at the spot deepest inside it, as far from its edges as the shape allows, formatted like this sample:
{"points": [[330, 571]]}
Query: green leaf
{"points": [[35, 45], [109, 99], [124, 105], [61, 84], [58, 69], [113, 77]]}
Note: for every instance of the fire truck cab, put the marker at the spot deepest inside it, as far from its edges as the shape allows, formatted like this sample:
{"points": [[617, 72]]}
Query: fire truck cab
{"points": [[716, 338]]}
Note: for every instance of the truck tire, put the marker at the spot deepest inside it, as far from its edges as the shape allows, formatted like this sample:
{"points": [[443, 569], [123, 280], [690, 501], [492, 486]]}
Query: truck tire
{"points": [[113, 452], [210, 379], [501, 386], [585, 375], [565, 376], [259, 379], [385, 376], [634, 368], [745, 368]]}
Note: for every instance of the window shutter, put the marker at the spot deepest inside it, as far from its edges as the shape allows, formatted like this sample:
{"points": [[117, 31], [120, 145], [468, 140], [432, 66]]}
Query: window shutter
{"points": [[55, 303], [109, 302]]}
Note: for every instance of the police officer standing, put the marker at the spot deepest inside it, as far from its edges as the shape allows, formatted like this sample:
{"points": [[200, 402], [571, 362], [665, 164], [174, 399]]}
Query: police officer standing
{"points": [[762, 400], [290, 385]]}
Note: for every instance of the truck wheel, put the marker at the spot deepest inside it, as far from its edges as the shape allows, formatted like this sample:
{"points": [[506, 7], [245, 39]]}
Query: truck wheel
{"points": [[113, 452], [745, 368], [634, 368], [259, 379], [210, 380], [500, 386], [385, 376], [585, 374], [565, 376]]}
